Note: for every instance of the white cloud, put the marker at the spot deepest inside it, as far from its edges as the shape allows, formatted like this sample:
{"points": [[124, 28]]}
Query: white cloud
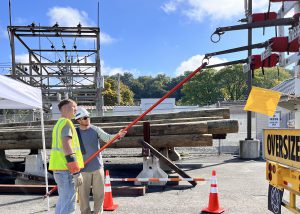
{"points": [[3, 33], [194, 62], [22, 58], [197, 10], [70, 17], [105, 38], [170, 6], [106, 70], [20, 21]]}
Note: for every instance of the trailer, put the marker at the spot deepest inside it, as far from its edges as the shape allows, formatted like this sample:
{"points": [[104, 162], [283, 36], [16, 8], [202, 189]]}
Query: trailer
{"points": [[282, 154]]}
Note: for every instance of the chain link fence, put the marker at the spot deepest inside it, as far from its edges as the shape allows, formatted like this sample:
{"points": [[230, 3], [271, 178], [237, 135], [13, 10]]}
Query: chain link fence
{"points": [[21, 118]]}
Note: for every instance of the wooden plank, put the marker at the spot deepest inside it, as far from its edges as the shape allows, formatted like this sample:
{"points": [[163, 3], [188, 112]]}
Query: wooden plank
{"points": [[169, 120], [196, 127], [222, 126], [167, 161], [172, 120], [169, 141], [214, 112]]}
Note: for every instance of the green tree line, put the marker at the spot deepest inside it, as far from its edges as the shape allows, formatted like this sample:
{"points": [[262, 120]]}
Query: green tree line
{"points": [[207, 87]]}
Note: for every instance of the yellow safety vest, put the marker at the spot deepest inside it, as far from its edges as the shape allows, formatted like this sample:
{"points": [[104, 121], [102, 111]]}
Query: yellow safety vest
{"points": [[57, 156]]}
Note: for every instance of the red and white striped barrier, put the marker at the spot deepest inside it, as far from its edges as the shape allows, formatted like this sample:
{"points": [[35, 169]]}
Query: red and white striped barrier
{"points": [[157, 179]]}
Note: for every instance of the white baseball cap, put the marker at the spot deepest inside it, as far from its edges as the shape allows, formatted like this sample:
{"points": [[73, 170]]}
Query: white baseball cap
{"points": [[81, 112]]}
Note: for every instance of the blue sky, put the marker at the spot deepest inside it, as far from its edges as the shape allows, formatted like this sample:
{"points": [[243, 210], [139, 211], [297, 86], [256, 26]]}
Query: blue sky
{"points": [[144, 37]]}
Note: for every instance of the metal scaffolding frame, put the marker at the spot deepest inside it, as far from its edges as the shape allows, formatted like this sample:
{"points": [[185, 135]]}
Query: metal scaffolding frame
{"points": [[69, 69]]}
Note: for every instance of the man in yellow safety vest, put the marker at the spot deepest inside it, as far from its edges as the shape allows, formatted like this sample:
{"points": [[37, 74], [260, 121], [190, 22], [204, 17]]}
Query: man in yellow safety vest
{"points": [[65, 158]]}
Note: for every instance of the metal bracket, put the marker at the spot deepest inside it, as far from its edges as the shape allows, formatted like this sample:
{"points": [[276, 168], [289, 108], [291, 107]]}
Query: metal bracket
{"points": [[246, 68], [228, 63], [290, 60], [151, 169], [294, 33], [167, 161], [269, 23], [151, 164], [267, 53]]}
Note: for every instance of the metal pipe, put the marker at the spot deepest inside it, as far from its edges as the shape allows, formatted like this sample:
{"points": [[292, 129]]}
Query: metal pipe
{"points": [[55, 35], [63, 50], [242, 48], [13, 54], [269, 23], [98, 80], [249, 83], [9, 8], [228, 63]]}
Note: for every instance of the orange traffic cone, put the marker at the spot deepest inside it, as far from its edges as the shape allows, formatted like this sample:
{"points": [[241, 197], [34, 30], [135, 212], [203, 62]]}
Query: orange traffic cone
{"points": [[108, 204], [213, 204]]}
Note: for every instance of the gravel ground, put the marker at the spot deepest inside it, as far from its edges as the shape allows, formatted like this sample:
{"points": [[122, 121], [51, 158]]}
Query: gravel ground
{"points": [[242, 185]]}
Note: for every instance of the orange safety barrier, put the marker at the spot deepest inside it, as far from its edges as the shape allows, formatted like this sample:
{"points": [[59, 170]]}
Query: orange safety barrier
{"points": [[108, 204], [213, 204]]}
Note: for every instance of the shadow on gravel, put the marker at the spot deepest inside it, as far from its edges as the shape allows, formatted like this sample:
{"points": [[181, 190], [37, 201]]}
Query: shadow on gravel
{"points": [[156, 189], [162, 189], [235, 159], [131, 170], [20, 201], [42, 211], [123, 170], [189, 166]]}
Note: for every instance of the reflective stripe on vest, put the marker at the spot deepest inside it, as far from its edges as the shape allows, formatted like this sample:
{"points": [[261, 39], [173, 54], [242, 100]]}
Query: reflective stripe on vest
{"points": [[57, 156]]}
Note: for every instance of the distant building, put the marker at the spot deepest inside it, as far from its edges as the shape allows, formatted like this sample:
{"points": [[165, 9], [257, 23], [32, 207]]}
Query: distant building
{"points": [[167, 106], [283, 117]]}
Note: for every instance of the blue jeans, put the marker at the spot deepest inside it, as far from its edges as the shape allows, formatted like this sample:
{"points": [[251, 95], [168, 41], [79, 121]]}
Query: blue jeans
{"points": [[66, 191]]}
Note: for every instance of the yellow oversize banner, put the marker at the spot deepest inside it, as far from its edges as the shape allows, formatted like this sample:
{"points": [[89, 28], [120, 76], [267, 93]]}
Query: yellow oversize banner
{"points": [[282, 146], [263, 101]]}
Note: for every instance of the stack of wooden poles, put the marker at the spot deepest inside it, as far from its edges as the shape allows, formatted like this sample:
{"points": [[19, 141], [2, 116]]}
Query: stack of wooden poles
{"points": [[182, 129]]}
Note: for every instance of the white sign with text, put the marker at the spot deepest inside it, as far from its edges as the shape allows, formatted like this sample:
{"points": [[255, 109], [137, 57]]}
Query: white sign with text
{"points": [[274, 122]]}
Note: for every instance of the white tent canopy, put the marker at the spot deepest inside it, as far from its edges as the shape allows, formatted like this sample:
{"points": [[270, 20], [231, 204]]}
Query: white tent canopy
{"points": [[17, 95]]}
